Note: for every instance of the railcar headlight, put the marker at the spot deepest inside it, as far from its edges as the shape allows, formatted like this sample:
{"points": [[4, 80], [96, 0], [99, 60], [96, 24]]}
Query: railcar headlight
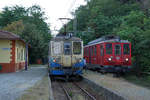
{"points": [[127, 59], [54, 60], [109, 59]]}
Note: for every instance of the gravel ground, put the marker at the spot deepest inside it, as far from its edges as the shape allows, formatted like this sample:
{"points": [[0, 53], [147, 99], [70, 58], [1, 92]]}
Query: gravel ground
{"points": [[40, 91], [12, 85], [127, 90]]}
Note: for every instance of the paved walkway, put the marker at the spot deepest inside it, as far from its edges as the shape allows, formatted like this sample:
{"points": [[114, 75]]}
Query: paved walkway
{"points": [[12, 85], [127, 90]]}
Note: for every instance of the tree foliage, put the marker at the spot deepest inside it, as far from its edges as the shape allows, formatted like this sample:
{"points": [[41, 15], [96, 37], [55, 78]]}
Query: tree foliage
{"points": [[15, 27], [125, 18], [30, 24]]}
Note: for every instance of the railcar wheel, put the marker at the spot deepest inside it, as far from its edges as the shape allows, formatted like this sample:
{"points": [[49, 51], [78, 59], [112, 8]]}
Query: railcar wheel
{"points": [[116, 75], [52, 77], [103, 71]]}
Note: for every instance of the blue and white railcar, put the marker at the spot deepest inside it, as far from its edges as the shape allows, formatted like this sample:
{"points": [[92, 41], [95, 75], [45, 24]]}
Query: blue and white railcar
{"points": [[66, 56]]}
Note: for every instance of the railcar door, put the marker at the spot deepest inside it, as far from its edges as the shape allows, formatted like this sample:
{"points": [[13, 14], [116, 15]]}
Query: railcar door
{"points": [[118, 57], [67, 62], [86, 54]]}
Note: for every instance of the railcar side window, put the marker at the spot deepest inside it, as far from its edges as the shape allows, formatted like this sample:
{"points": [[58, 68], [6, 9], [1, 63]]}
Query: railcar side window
{"points": [[87, 51], [108, 48], [67, 48], [77, 47], [95, 50], [102, 50], [126, 49], [91, 51], [117, 49]]}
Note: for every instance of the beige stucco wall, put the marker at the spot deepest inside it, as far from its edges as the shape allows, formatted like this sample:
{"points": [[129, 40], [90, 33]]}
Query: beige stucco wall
{"points": [[5, 51], [20, 51]]}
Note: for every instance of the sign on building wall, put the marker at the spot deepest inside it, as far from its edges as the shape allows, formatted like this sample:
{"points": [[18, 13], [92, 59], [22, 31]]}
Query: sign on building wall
{"points": [[5, 48]]}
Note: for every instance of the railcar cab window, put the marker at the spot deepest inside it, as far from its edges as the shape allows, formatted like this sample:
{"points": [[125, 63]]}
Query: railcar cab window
{"points": [[126, 49], [117, 49], [77, 47], [67, 48], [109, 48]]}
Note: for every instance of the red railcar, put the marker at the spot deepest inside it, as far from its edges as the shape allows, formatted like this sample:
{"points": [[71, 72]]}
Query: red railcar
{"points": [[108, 54]]}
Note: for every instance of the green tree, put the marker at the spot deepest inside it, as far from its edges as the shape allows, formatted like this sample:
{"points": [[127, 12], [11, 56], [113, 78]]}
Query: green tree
{"points": [[30, 24], [15, 27], [135, 28]]}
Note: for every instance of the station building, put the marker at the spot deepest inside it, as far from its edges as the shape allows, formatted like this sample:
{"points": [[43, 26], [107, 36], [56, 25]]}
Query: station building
{"points": [[13, 52]]}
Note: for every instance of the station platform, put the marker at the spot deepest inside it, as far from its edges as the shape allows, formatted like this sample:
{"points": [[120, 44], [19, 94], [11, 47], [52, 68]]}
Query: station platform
{"points": [[119, 86]]}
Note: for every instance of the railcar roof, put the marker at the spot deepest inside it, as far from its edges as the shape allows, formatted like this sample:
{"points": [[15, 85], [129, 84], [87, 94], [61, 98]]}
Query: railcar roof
{"points": [[64, 38], [110, 38]]}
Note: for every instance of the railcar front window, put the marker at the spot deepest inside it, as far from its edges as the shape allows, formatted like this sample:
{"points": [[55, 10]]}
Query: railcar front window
{"points": [[76, 47], [126, 49], [56, 48], [67, 48], [108, 48], [117, 49]]}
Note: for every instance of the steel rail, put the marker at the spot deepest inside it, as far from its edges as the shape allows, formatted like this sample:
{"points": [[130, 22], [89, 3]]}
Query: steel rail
{"points": [[68, 96], [92, 97]]}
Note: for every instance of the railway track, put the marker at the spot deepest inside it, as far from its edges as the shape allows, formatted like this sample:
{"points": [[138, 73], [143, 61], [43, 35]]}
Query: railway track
{"points": [[71, 90], [86, 92]]}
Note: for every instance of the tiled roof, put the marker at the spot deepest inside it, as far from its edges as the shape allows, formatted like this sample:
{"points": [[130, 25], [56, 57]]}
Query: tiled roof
{"points": [[8, 35]]}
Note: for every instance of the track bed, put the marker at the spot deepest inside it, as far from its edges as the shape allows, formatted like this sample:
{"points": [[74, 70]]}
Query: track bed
{"points": [[74, 91]]}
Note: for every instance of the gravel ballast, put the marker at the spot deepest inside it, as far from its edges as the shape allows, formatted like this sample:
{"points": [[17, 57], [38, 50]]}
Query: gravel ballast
{"points": [[12, 85], [118, 85]]}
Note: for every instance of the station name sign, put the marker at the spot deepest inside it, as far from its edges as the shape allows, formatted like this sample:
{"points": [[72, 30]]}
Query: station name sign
{"points": [[5, 48]]}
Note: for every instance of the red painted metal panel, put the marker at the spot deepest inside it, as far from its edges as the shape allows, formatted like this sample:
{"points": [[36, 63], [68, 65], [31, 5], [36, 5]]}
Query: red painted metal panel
{"points": [[117, 56]]}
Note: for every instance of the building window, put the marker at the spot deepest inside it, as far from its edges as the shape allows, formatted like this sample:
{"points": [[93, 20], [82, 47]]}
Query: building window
{"points": [[17, 54], [24, 54], [21, 54]]}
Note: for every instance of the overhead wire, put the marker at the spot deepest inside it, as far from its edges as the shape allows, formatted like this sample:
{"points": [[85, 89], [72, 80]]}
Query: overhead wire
{"points": [[70, 8]]}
